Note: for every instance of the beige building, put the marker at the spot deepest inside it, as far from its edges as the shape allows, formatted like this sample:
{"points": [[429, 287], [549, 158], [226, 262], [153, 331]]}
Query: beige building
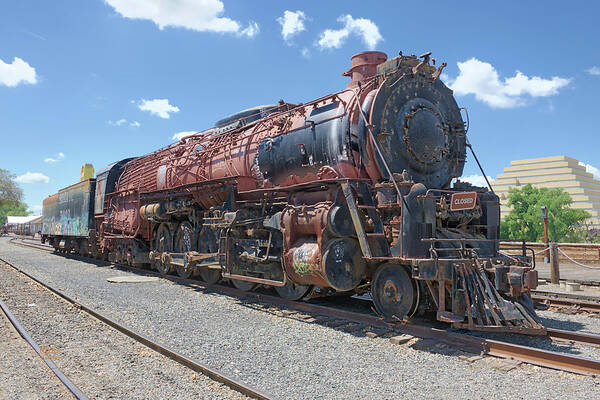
{"points": [[552, 172]]}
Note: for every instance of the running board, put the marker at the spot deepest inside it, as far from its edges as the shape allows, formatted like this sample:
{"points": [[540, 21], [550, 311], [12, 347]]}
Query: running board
{"points": [[255, 280], [182, 259]]}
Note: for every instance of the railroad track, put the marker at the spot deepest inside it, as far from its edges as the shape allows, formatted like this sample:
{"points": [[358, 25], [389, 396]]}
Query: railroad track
{"points": [[468, 343], [194, 365], [564, 300], [64, 379]]}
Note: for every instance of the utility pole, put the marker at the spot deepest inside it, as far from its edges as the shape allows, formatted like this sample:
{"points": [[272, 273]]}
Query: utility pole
{"points": [[545, 219]]}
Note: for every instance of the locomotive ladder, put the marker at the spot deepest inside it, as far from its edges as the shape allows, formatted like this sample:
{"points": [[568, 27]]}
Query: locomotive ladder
{"points": [[222, 249], [362, 207]]}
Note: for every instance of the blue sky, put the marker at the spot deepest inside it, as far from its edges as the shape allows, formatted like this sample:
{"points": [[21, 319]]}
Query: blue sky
{"points": [[96, 81]]}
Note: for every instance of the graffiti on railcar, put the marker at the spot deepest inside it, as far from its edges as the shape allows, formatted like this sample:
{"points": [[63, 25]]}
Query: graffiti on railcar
{"points": [[68, 212]]}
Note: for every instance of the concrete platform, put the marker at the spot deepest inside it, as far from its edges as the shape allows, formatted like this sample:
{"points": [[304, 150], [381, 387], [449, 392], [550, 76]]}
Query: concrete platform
{"points": [[571, 272]]}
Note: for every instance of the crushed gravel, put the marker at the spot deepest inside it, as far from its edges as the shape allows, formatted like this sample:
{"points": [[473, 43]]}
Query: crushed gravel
{"points": [[292, 358], [100, 360], [588, 323], [23, 374]]}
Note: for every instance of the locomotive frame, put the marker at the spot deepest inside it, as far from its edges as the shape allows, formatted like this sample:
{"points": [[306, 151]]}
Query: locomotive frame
{"points": [[345, 194]]}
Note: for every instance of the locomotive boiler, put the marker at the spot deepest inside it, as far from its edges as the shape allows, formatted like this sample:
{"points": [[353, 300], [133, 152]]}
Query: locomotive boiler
{"points": [[350, 193]]}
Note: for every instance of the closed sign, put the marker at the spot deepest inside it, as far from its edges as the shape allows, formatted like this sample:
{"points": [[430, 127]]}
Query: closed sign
{"points": [[463, 201]]}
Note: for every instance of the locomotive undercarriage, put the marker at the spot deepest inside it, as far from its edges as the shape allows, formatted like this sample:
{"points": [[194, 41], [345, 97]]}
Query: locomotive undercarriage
{"points": [[285, 197], [313, 240]]}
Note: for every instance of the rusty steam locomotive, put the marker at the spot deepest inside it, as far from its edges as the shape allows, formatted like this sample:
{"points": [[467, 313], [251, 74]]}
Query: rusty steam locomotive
{"points": [[349, 193]]}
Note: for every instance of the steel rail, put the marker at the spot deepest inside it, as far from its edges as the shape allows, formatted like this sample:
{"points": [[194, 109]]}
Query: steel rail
{"points": [[564, 300], [579, 337], [73, 388], [194, 365], [469, 343], [568, 303], [571, 295], [544, 358]]}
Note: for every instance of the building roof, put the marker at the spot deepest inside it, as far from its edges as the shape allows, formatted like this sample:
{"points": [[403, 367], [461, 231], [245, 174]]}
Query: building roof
{"points": [[552, 172], [12, 220], [37, 220]]}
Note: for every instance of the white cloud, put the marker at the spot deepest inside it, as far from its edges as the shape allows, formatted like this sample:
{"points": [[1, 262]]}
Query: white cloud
{"points": [[57, 158], [160, 107], [475, 180], [32, 177], [593, 71], [118, 123], [123, 121], [305, 52], [33, 34], [16, 72], [197, 15], [482, 80], [361, 27], [591, 169], [292, 23], [181, 135], [251, 30]]}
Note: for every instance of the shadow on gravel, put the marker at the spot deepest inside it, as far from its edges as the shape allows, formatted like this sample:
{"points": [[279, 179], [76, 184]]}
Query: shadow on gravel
{"points": [[559, 324], [93, 261], [360, 306]]}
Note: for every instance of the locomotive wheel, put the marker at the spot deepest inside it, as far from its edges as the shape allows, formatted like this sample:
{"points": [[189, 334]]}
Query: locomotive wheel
{"points": [[207, 243], [210, 275], [243, 285], [292, 291], [163, 242], [394, 292], [184, 242]]}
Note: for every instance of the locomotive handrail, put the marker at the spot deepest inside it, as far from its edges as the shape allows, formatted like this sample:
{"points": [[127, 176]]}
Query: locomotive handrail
{"points": [[458, 239], [478, 164], [514, 257], [463, 240], [304, 185], [461, 250], [374, 143], [448, 191], [523, 248], [189, 185], [277, 114], [310, 124]]}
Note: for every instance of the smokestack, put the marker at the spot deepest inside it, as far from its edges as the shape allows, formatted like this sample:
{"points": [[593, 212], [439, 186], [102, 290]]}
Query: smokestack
{"points": [[364, 66]]}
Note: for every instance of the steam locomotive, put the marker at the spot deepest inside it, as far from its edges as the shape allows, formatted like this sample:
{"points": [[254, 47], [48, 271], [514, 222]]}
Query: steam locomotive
{"points": [[350, 193]]}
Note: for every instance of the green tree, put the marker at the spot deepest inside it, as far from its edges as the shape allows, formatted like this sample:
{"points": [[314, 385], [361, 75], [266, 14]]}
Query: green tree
{"points": [[12, 208], [9, 190], [525, 222], [10, 197]]}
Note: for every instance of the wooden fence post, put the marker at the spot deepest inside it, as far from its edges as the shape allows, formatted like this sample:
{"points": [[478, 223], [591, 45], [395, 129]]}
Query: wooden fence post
{"points": [[554, 272]]}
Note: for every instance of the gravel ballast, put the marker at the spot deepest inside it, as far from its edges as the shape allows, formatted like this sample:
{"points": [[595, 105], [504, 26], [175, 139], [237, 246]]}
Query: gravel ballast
{"points": [[100, 360], [288, 357], [23, 374]]}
